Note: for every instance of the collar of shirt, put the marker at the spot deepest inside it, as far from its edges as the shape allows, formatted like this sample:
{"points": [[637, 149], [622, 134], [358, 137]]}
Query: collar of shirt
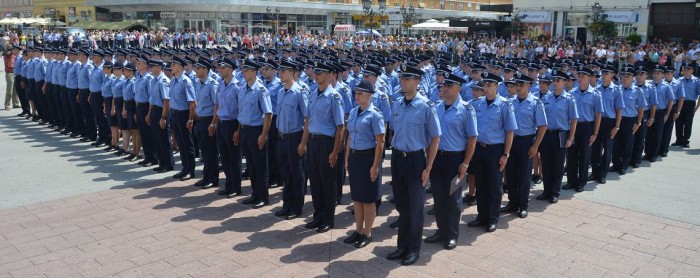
{"points": [[455, 105], [369, 107]]}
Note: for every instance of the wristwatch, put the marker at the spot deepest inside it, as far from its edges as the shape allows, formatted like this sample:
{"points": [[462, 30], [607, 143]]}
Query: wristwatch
{"points": [[163, 117], [506, 155], [617, 128]]}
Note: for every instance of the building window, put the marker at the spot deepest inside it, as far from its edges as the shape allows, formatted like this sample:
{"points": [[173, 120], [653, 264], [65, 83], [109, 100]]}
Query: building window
{"points": [[478, 7], [461, 6], [469, 5], [452, 6]]}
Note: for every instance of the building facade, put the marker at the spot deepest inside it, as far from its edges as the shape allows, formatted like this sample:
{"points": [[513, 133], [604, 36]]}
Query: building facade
{"points": [[17, 8], [67, 11], [313, 16], [569, 18]]}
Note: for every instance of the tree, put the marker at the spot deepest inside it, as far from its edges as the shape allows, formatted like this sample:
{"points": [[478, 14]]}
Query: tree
{"points": [[602, 28], [634, 39], [516, 27]]}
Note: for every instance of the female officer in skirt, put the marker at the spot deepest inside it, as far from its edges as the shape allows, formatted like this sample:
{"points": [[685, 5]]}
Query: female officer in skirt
{"points": [[363, 155], [107, 109], [118, 105]]}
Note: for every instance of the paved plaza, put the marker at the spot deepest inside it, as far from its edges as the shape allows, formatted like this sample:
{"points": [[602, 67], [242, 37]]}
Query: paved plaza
{"points": [[71, 210]]}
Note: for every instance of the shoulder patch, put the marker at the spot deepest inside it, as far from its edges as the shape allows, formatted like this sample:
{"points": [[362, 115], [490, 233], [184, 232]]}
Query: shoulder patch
{"points": [[336, 95], [377, 109], [384, 96], [468, 105]]}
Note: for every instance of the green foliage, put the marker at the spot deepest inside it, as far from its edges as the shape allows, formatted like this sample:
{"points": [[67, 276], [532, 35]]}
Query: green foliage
{"points": [[634, 39], [603, 29], [516, 27]]}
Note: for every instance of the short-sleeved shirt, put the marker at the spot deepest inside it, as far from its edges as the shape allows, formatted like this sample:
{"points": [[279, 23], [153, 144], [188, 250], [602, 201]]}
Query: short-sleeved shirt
{"points": [[691, 87], [40, 69], [72, 75], [494, 119], [634, 99], [530, 114], [97, 77], [273, 88], [159, 90], [205, 92], [142, 87], [292, 109], [325, 111], [84, 75], [346, 95], [227, 100], [106, 88], [181, 92], [129, 89], [560, 110], [588, 103], [612, 100], [663, 94], [254, 103], [62, 73], [363, 126], [415, 124], [457, 123], [649, 96]]}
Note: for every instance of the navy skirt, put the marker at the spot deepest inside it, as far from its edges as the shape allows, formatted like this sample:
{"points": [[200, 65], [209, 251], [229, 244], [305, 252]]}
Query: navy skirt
{"points": [[130, 106], [362, 188], [111, 120], [121, 121]]}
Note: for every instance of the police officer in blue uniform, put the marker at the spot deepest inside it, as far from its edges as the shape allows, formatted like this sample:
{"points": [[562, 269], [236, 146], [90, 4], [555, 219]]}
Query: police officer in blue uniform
{"points": [[255, 117], [661, 111], [76, 122], [323, 133], [182, 104], [159, 116], [497, 122], [648, 114], [457, 143], [225, 123], [691, 88], [632, 116], [532, 125], [562, 116], [589, 104], [416, 129], [142, 87], [602, 148], [292, 111], [90, 128], [678, 100], [268, 75], [129, 113], [205, 88], [96, 101], [363, 155]]}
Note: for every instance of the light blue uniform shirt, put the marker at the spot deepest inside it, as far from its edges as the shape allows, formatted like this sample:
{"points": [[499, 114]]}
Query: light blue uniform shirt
{"points": [[129, 89], [273, 88], [663, 94], [534, 88], [292, 109], [227, 100], [364, 126], [106, 88], [159, 90], [588, 103], [560, 110], [49, 71], [634, 99], [345, 93], [380, 100], [494, 120], [84, 75], [118, 87], [205, 93], [457, 124], [325, 112], [62, 73], [677, 89], [254, 103], [97, 77], [18, 65], [40, 69], [27, 69], [181, 92], [72, 75], [142, 87], [691, 87], [415, 124], [530, 114], [649, 95], [612, 100]]}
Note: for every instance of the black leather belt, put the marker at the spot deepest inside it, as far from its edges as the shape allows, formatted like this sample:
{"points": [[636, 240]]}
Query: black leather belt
{"points": [[525, 137], [249, 126], [320, 136], [362, 151], [484, 145], [406, 154], [450, 152], [289, 135], [179, 111], [555, 130]]}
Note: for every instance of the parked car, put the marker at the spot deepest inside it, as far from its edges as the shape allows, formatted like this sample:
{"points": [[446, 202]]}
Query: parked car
{"points": [[72, 31]]}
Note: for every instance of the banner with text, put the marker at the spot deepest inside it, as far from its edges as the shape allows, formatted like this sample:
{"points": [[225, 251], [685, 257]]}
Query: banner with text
{"points": [[535, 29], [622, 16], [535, 16]]}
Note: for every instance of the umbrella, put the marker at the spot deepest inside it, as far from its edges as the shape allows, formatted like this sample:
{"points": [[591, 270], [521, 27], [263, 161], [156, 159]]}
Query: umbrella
{"points": [[376, 33], [362, 33]]}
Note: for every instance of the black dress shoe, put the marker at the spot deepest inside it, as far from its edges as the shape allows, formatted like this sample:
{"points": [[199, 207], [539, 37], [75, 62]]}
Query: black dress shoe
{"points": [[635, 165], [663, 154], [553, 200], [282, 212], [451, 244], [130, 157], [396, 255], [84, 140], [292, 215], [352, 238], [652, 159], [96, 144], [435, 238], [491, 228], [179, 175], [676, 144], [431, 211], [410, 259], [313, 224], [579, 189], [476, 223], [142, 162], [592, 177], [233, 194], [522, 214], [250, 200], [259, 204], [537, 179], [622, 172], [119, 152], [567, 186], [74, 135], [187, 176], [363, 241], [110, 148], [543, 196], [324, 228], [469, 200], [602, 181], [165, 169], [394, 224], [508, 208], [136, 157], [210, 185], [686, 145]]}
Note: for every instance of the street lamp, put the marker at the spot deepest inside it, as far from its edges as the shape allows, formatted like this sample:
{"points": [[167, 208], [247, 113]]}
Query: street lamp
{"points": [[367, 9], [407, 15], [597, 10], [277, 19]]}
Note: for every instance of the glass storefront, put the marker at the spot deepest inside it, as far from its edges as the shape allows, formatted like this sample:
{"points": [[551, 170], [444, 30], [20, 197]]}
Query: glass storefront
{"points": [[238, 22]]}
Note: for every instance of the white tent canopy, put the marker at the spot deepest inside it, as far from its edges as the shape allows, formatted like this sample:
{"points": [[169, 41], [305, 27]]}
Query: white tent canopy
{"points": [[434, 25], [30, 20]]}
